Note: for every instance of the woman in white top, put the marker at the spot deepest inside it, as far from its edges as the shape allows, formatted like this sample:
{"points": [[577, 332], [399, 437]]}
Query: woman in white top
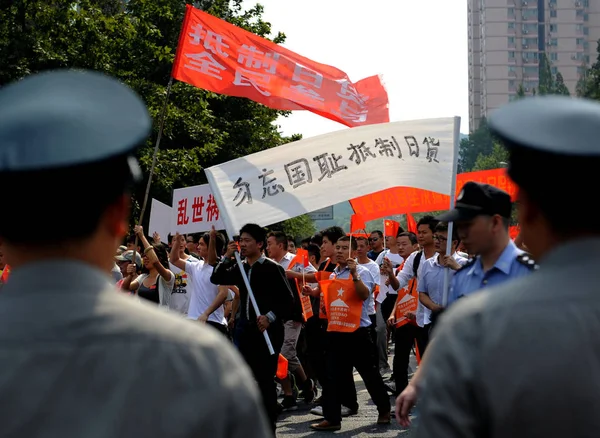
{"points": [[156, 284]]}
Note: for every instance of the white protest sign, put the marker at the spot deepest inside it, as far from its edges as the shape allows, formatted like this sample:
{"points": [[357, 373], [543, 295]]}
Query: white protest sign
{"points": [[194, 210], [160, 220], [307, 175]]}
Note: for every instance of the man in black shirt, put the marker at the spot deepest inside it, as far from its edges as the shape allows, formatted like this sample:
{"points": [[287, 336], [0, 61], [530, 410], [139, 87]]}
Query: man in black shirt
{"points": [[275, 301]]}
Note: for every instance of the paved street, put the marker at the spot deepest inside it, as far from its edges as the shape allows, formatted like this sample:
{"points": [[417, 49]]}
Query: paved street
{"points": [[296, 424]]}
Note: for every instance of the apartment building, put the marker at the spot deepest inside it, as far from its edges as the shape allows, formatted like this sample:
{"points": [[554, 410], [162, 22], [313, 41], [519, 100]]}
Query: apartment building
{"points": [[506, 38]]}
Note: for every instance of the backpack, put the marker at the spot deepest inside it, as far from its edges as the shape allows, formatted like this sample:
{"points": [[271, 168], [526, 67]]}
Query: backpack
{"points": [[417, 262]]}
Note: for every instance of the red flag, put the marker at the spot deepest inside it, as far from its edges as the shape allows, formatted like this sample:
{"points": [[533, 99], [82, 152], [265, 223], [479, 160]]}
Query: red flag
{"points": [[391, 228], [301, 258], [401, 200], [215, 55], [357, 223], [514, 231], [411, 223], [5, 274]]}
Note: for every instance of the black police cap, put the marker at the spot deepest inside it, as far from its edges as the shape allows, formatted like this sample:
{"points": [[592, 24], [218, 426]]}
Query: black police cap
{"points": [[477, 199]]}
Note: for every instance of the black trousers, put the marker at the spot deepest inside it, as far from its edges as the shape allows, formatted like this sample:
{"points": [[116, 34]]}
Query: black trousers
{"points": [[316, 347], [254, 349], [346, 351], [220, 327], [405, 338], [314, 330]]}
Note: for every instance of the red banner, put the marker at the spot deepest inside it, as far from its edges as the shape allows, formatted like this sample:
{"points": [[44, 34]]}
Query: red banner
{"points": [[401, 200], [215, 55]]}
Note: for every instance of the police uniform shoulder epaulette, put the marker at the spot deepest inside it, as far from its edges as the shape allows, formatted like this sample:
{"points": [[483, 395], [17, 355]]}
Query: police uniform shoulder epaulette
{"points": [[468, 264], [527, 260]]}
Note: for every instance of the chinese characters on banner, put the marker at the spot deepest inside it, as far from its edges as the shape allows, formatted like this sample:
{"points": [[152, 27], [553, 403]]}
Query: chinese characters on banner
{"points": [[306, 175], [401, 200], [215, 55], [195, 210]]}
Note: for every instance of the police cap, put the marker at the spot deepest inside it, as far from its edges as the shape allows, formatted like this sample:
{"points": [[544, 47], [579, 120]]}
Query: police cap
{"points": [[558, 125], [67, 140], [477, 199], [68, 118]]}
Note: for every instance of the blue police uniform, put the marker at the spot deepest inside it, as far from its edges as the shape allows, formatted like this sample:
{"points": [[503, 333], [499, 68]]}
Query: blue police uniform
{"points": [[512, 263], [474, 200]]}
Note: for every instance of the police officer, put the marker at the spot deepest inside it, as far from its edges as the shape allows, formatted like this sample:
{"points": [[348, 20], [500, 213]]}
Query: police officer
{"points": [[523, 359], [76, 356], [482, 217]]}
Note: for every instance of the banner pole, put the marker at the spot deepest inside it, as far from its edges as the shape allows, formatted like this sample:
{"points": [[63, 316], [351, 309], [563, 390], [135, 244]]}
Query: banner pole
{"points": [[161, 124], [452, 196]]}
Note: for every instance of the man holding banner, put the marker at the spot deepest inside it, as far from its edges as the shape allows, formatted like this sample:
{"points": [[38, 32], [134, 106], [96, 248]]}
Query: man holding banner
{"points": [[275, 301]]}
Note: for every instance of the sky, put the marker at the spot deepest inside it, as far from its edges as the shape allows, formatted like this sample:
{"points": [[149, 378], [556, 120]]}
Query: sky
{"points": [[420, 48]]}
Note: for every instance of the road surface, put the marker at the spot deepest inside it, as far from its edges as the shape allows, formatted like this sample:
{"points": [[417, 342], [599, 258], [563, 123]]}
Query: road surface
{"points": [[296, 424]]}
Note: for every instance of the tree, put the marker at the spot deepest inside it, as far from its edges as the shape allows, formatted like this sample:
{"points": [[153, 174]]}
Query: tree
{"points": [[299, 227], [477, 143], [548, 83], [136, 42], [589, 82], [497, 158], [559, 85], [546, 80]]}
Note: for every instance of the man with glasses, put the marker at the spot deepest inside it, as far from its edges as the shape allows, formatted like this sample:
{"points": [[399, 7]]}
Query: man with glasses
{"points": [[376, 242]]}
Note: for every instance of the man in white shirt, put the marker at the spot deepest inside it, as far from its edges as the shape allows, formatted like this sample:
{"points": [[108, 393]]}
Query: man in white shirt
{"points": [[386, 300], [184, 288], [431, 282], [362, 245], [425, 230], [206, 303]]}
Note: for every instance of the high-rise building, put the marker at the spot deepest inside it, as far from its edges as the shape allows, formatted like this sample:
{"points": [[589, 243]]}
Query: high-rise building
{"points": [[508, 37]]}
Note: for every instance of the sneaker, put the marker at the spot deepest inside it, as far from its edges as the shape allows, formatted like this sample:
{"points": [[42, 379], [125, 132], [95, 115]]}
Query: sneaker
{"points": [[385, 370], [347, 412], [289, 403], [391, 388], [317, 410], [309, 392]]}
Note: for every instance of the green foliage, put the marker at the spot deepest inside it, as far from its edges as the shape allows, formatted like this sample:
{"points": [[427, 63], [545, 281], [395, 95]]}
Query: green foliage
{"points": [[477, 143], [299, 227], [136, 42], [589, 83], [548, 83], [494, 160]]}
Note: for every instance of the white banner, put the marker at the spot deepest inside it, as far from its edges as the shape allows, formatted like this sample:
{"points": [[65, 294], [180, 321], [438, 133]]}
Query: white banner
{"points": [[195, 210], [307, 175], [160, 220]]}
